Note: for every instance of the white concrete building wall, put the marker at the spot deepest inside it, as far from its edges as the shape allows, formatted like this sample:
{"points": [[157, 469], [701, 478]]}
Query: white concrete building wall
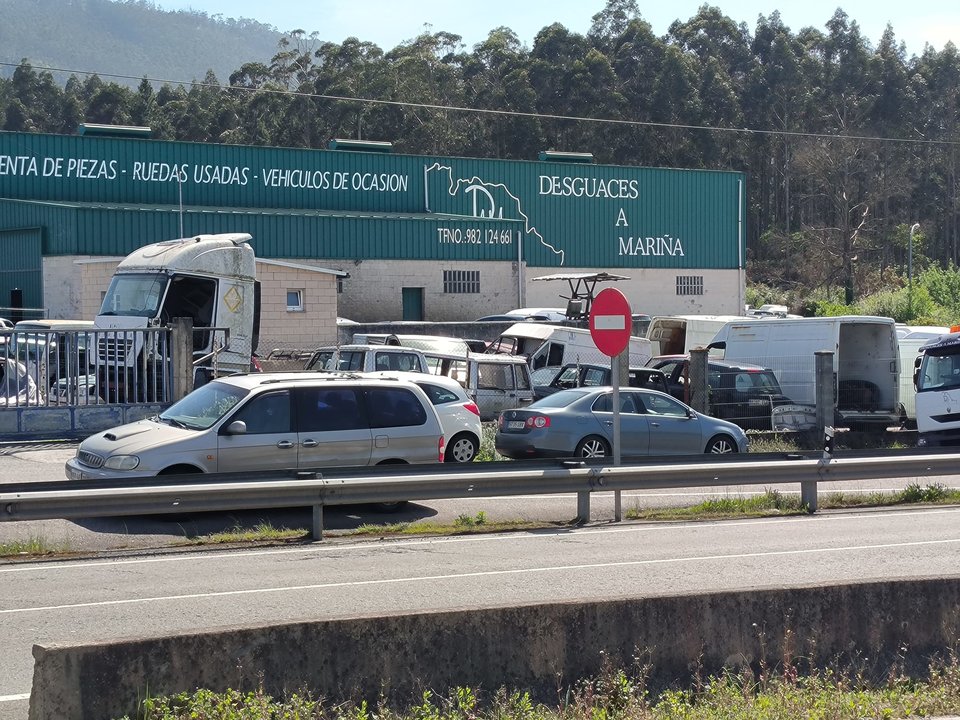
{"points": [[73, 289], [374, 290], [653, 292]]}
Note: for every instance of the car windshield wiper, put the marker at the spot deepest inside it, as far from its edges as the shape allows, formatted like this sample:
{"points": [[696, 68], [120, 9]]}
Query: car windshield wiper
{"points": [[173, 421]]}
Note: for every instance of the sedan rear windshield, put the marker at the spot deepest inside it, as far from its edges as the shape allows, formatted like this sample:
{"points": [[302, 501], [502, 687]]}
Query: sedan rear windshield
{"points": [[561, 399]]}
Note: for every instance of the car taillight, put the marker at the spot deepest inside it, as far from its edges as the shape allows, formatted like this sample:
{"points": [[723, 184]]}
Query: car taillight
{"points": [[472, 407], [538, 421], [255, 365], [441, 446]]}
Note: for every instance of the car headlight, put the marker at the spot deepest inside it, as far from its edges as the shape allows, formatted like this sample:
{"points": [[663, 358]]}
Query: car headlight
{"points": [[122, 462]]}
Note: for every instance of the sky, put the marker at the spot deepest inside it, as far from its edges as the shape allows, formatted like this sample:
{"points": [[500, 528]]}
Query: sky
{"points": [[390, 22]]}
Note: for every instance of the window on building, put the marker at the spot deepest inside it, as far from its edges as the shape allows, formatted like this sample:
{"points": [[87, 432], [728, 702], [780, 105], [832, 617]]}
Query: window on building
{"points": [[461, 281], [294, 300], [339, 285], [689, 284]]}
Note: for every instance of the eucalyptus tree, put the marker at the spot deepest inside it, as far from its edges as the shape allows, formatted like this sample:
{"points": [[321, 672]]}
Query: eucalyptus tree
{"points": [[35, 101], [676, 103], [353, 69], [637, 57], [936, 118], [427, 72], [497, 78], [552, 59], [776, 97]]}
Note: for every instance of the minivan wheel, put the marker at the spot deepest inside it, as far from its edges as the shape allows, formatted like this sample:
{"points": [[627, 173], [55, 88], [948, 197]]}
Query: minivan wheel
{"points": [[391, 506], [181, 470], [592, 446], [462, 449], [721, 445]]}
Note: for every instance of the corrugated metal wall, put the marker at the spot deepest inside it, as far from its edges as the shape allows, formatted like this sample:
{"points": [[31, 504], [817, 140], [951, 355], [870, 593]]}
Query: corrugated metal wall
{"points": [[22, 266], [572, 215]]}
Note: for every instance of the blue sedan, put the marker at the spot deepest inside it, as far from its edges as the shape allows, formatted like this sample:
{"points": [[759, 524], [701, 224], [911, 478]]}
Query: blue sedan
{"points": [[579, 423]]}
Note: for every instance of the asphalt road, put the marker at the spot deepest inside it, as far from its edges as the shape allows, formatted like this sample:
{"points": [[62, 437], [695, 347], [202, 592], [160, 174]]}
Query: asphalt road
{"points": [[152, 532], [158, 594], [137, 583]]}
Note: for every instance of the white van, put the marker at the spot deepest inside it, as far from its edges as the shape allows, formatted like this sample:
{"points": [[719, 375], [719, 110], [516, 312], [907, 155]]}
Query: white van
{"points": [[547, 345], [679, 334], [865, 360]]}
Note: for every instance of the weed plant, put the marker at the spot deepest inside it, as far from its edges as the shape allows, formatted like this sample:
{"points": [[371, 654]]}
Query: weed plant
{"points": [[770, 693], [34, 546]]}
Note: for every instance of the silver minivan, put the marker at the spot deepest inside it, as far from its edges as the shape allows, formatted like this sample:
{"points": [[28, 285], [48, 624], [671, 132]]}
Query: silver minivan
{"points": [[271, 421]]}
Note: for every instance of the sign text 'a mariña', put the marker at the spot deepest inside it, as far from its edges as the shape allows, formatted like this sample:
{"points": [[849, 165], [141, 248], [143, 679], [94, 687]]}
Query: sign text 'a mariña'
{"points": [[203, 174], [614, 189]]}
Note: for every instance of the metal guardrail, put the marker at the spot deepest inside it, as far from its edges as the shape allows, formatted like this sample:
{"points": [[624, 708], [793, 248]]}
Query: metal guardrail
{"points": [[203, 493]]}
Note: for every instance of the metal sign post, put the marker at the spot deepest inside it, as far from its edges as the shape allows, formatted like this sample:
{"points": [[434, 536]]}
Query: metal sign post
{"points": [[610, 325]]}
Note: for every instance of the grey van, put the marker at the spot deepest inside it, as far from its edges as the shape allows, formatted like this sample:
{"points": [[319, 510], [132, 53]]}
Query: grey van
{"points": [[494, 382], [366, 358], [271, 421]]}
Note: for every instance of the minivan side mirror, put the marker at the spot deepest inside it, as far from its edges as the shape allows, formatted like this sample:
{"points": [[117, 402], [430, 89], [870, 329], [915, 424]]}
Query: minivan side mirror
{"points": [[237, 427]]}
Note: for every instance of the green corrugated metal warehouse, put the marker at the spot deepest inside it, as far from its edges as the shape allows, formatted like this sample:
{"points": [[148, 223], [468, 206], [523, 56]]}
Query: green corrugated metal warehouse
{"points": [[442, 238]]}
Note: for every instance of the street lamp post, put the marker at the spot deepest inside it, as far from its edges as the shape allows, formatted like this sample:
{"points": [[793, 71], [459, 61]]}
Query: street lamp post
{"points": [[913, 229]]}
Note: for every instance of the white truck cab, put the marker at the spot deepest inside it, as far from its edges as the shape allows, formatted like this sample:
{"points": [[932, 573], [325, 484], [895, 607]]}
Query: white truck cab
{"points": [[210, 279], [937, 381]]}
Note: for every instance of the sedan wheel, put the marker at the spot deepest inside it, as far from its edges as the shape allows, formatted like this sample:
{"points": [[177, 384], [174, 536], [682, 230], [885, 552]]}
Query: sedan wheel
{"points": [[592, 447], [721, 445], [462, 449]]}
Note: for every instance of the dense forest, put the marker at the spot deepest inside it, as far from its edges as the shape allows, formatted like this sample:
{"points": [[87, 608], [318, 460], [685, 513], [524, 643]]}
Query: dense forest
{"points": [[850, 150]]}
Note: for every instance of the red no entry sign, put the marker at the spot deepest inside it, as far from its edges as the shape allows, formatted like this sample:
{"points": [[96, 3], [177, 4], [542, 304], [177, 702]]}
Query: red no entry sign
{"points": [[610, 322]]}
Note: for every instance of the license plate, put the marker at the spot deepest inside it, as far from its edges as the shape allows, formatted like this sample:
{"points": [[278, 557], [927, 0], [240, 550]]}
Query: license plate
{"points": [[758, 401], [516, 425], [74, 474]]}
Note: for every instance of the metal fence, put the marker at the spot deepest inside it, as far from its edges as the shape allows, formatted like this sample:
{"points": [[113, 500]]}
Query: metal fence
{"points": [[70, 367], [389, 484]]}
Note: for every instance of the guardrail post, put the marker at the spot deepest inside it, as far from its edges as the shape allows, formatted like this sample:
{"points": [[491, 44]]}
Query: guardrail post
{"points": [[317, 529], [825, 390], [181, 349], [583, 507], [697, 377], [808, 495]]}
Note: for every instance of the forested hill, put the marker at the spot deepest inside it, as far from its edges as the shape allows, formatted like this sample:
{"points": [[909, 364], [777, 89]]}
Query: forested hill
{"points": [[129, 37]]}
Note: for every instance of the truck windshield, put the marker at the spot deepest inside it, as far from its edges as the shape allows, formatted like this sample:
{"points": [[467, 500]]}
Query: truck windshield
{"points": [[940, 369], [136, 295]]}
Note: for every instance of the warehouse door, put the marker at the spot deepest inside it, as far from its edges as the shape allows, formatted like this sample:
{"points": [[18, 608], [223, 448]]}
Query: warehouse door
{"points": [[21, 268], [412, 303]]}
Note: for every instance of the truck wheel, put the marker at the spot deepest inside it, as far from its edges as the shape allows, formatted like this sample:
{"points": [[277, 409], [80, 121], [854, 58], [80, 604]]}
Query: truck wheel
{"points": [[592, 446], [721, 445], [462, 449]]}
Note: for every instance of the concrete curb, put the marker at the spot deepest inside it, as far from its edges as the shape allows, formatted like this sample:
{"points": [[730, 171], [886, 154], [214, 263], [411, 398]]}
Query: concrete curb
{"points": [[530, 647]]}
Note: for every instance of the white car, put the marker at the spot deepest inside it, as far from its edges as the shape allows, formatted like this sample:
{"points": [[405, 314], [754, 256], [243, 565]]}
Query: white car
{"points": [[550, 314], [459, 415]]}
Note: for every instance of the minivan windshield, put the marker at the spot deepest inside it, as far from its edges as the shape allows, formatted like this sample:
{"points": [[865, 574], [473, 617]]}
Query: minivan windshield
{"points": [[204, 406], [133, 294]]}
